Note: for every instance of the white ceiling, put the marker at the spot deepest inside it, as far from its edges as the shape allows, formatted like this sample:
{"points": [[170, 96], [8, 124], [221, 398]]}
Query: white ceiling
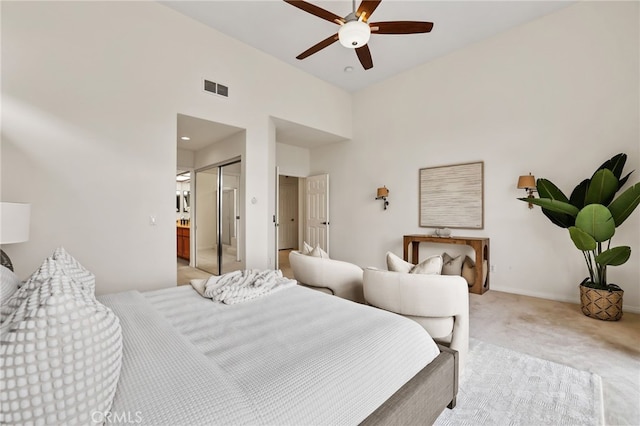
{"points": [[284, 31]]}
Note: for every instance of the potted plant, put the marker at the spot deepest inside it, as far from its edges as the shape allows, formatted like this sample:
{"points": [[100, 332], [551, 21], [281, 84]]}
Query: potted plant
{"points": [[591, 214]]}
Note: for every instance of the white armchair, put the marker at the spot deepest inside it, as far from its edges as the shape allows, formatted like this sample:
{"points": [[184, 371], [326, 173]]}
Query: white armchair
{"points": [[336, 277], [439, 303]]}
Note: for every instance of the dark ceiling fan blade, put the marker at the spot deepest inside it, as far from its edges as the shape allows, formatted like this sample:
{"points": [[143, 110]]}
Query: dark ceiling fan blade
{"points": [[367, 6], [319, 46], [316, 11], [400, 27], [364, 54]]}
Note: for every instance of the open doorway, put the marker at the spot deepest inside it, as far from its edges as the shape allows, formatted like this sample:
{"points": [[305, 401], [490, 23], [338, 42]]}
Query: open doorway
{"points": [[302, 216], [288, 211], [289, 224], [206, 149]]}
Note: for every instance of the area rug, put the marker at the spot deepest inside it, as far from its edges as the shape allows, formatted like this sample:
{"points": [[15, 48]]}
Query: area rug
{"points": [[503, 387]]}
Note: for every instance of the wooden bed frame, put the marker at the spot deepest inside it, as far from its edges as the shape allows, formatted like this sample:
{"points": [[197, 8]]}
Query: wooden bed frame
{"points": [[423, 398]]}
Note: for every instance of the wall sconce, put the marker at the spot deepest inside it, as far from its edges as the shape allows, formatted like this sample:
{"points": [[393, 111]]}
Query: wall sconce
{"points": [[528, 183], [383, 193], [14, 227]]}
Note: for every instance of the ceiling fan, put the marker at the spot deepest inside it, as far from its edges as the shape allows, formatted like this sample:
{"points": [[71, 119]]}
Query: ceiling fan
{"points": [[355, 29]]}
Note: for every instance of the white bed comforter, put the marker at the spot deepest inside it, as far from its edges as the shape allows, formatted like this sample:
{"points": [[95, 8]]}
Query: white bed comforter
{"points": [[294, 357]]}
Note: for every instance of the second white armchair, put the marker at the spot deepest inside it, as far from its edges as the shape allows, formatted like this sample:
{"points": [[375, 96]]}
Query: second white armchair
{"points": [[439, 303], [336, 277]]}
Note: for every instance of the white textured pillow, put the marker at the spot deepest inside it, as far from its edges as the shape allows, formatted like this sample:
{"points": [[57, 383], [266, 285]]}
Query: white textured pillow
{"points": [[60, 262], [75, 270], [452, 265], [397, 264], [430, 266], [9, 283], [318, 252], [60, 356], [306, 248]]}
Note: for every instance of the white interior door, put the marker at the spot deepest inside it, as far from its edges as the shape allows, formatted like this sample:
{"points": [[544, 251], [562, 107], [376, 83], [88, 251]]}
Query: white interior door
{"points": [[288, 213], [317, 211]]}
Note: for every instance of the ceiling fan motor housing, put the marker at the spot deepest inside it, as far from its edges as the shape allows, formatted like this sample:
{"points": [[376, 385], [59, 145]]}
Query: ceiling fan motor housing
{"points": [[354, 34]]}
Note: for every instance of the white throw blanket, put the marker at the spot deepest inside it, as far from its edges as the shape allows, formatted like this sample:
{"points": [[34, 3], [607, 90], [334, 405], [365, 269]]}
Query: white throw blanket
{"points": [[240, 286]]}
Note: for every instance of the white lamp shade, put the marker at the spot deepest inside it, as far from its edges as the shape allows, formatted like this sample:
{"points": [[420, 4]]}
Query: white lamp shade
{"points": [[354, 34], [14, 222]]}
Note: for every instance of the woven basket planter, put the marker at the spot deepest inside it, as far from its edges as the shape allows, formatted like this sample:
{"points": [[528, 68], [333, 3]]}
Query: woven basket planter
{"points": [[604, 305]]}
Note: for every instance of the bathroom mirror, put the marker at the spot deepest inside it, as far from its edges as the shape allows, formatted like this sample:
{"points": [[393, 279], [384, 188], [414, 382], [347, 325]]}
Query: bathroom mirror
{"points": [[186, 195]]}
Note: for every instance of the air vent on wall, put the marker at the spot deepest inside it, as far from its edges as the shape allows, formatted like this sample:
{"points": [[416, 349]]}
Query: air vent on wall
{"points": [[216, 88]]}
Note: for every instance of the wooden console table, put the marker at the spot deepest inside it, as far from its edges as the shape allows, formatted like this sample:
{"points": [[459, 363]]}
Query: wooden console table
{"points": [[479, 245]]}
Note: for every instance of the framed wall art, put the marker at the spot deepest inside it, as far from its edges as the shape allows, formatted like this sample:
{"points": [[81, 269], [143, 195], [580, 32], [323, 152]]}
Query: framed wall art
{"points": [[452, 196]]}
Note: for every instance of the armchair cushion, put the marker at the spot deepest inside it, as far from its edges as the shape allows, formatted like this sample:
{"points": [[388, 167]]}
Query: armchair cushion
{"points": [[431, 265], [318, 252], [452, 265], [398, 264]]}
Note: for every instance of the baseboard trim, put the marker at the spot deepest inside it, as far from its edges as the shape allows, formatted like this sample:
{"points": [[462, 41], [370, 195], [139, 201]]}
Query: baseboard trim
{"points": [[549, 296]]}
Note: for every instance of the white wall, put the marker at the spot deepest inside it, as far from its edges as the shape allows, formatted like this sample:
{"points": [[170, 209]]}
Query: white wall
{"points": [[293, 160], [185, 159], [90, 95], [555, 97]]}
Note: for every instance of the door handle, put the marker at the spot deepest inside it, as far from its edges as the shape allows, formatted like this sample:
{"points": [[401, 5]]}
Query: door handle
{"points": [[325, 223]]}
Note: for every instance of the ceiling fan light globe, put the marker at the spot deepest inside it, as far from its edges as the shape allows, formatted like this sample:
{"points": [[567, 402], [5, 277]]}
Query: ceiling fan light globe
{"points": [[354, 34]]}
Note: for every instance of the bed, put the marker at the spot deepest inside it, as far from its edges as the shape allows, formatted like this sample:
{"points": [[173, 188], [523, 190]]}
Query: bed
{"points": [[292, 357], [173, 357]]}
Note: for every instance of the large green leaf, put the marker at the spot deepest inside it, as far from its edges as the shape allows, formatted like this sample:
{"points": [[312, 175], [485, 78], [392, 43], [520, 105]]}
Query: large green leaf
{"points": [[625, 204], [553, 205], [624, 180], [615, 164], [546, 189], [581, 239], [596, 220], [602, 188], [579, 194], [615, 256]]}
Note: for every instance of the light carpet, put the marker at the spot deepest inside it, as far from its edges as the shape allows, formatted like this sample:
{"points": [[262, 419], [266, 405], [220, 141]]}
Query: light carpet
{"points": [[504, 387]]}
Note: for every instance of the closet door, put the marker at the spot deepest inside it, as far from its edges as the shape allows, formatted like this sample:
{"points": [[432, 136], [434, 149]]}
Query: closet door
{"points": [[206, 220], [229, 213]]}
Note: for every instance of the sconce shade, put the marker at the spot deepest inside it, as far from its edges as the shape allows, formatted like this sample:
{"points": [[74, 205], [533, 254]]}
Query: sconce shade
{"points": [[382, 192], [14, 222], [526, 182]]}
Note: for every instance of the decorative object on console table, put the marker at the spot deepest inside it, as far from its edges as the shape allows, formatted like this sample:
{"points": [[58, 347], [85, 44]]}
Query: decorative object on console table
{"points": [[452, 196], [442, 232], [14, 227], [479, 245]]}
